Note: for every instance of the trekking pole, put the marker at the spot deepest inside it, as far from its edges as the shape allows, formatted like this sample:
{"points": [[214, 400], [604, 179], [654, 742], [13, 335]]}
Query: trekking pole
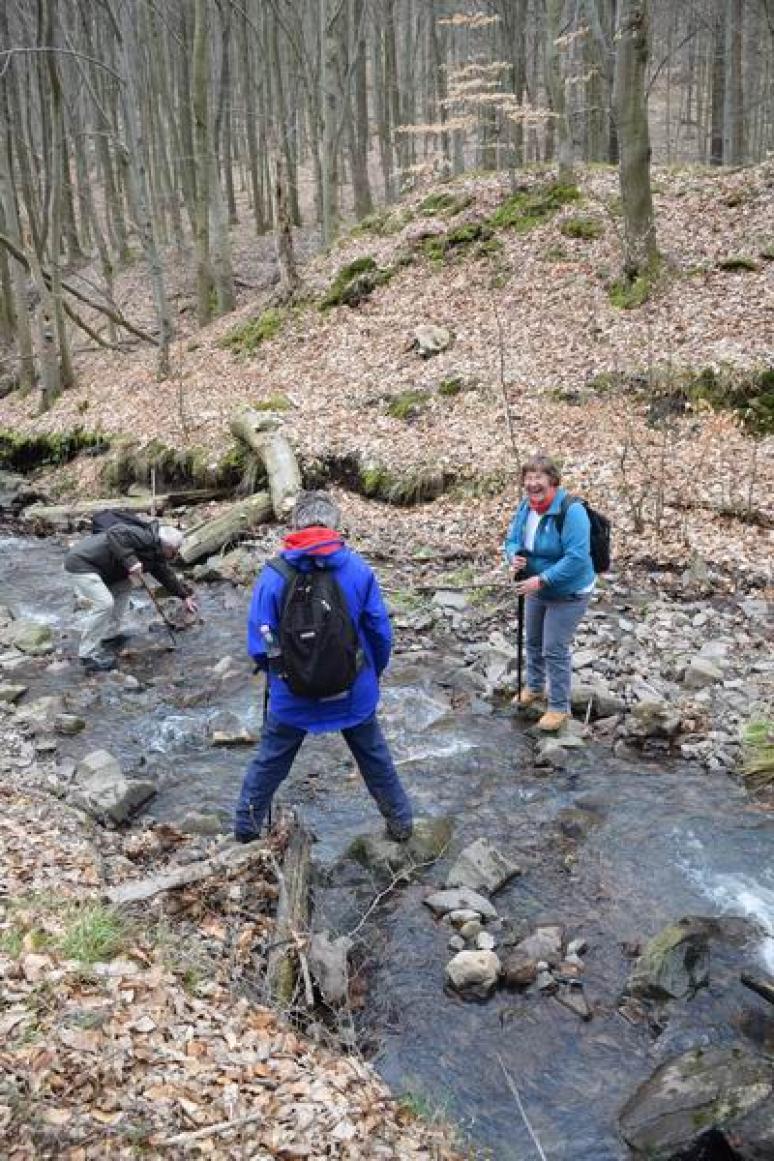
{"points": [[169, 626], [263, 726], [519, 643]]}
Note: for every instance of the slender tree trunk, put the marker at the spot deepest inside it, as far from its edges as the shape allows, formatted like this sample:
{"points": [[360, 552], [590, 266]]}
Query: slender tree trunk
{"points": [[200, 101], [556, 88], [632, 119], [733, 123], [360, 182], [718, 86]]}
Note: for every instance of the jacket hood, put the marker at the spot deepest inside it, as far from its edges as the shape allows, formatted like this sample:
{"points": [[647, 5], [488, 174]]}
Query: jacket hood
{"points": [[323, 546]]}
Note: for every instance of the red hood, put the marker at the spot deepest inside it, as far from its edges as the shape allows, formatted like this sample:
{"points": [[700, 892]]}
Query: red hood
{"points": [[314, 541]]}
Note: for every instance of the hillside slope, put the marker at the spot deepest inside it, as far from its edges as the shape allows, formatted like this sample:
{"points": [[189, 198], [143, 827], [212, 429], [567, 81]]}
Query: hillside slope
{"points": [[532, 319]]}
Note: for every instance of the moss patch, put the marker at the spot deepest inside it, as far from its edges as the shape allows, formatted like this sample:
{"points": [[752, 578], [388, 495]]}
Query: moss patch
{"points": [[758, 740], [24, 453], [525, 210], [247, 338], [444, 205], [629, 293], [355, 282], [408, 405], [460, 241], [749, 394], [277, 402], [737, 262], [454, 385], [383, 223], [172, 467], [581, 227]]}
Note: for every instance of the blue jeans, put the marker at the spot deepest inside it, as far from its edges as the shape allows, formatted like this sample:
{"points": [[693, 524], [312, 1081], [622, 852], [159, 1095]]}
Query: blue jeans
{"points": [[550, 628], [278, 747]]}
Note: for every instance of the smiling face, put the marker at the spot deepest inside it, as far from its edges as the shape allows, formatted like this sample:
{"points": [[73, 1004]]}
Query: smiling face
{"points": [[538, 486]]}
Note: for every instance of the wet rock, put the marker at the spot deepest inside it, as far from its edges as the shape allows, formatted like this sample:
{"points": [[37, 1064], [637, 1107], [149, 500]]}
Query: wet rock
{"points": [[705, 1103], [68, 724], [328, 965], [471, 929], [12, 693], [39, 715], [576, 823], [198, 822], [474, 973], [603, 703], [463, 916], [12, 659], [653, 719], [101, 789], [431, 340], [577, 946], [545, 943], [550, 752], [457, 898], [674, 964], [31, 637], [701, 672], [482, 868], [430, 839], [519, 970], [545, 982], [485, 941]]}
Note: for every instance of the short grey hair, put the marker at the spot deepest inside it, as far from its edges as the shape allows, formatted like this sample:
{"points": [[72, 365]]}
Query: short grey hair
{"points": [[171, 537], [315, 508]]}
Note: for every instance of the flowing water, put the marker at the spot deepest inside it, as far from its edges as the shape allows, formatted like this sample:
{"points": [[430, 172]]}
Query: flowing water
{"points": [[665, 841]]}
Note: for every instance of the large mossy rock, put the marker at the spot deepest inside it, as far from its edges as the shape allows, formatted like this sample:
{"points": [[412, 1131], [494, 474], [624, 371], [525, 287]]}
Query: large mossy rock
{"points": [[429, 842], [703, 1104], [675, 963]]}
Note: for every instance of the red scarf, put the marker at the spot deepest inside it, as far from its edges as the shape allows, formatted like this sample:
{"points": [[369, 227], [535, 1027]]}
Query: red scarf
{"points": [[317, 540], [542, 506]]}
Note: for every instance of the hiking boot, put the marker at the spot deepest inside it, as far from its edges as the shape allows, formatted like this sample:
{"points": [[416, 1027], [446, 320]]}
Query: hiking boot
{"points": [[529, 697], [97, 663], [552, 721], [399, 832]]}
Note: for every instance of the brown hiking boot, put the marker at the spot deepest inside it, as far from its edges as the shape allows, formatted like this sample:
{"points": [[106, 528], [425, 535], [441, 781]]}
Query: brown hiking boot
{"points": [[552, 721], [529, 697]]}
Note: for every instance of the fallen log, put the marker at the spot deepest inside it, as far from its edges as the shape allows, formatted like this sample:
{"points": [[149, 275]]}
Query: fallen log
{"points": [[232, 858], [260, 431], [763, 986], [286, 954], [226, 529], [63, 516]]}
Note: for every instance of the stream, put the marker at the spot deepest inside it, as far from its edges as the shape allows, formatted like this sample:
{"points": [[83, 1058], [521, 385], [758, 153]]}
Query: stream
{"points": [[665, 841]]}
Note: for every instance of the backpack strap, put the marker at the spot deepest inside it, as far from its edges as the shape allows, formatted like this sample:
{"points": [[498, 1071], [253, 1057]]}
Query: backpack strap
{"points": [[282, 566], [566, 502]]}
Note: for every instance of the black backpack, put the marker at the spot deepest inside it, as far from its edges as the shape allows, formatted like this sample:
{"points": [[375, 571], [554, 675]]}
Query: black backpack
{"points": [[101, 521], [601, 532], [317, 638]]}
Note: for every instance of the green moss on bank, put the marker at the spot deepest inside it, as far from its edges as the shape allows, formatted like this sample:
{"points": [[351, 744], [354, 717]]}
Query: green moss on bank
{"points": [[24, 453], [525, 210], [246, 338], [355, 282]]}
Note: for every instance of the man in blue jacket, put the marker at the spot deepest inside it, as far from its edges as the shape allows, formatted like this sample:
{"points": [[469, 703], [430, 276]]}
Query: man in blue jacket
{"points": [[315, 543]]}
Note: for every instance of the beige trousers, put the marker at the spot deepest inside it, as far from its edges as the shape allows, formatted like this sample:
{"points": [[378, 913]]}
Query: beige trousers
{"points": [[107, 607]]}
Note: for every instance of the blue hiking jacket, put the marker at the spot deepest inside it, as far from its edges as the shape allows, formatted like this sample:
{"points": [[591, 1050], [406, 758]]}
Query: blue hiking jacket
{"points": [[562, 561], [369, 615]]}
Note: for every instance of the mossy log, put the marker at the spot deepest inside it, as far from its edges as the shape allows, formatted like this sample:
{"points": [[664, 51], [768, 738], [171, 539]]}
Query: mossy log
{"points": [[293, 911], [63, 516], [261, 431], [206, 539]]}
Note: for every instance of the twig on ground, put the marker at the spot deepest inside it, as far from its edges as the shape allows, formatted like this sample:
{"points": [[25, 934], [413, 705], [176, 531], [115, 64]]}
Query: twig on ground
{"points": [[512, 1086], [220, 1127]]}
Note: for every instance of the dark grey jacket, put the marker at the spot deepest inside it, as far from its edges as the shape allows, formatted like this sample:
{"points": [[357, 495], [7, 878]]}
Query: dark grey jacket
{"points": [[111, 554]]}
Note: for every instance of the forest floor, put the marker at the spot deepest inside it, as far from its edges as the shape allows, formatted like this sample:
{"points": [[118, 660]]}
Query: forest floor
{"points": [[535, 338]]}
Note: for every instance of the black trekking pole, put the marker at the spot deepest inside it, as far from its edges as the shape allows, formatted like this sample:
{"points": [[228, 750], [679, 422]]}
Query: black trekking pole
{"points": [[169, 626], [519, 644]]}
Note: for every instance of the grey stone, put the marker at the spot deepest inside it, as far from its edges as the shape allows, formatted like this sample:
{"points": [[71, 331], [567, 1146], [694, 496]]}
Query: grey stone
{"points": [[473, 972], [39, 715], [328, 965], [457, 898], [485, 941], [728, 1090], [450, 599], [604, 704], [545, 982], [519, 970], [583, 658], [653, 719], [11, 693], [430, 839], [430, 340], [456, 943], [463, 916], [68, 724], [674, 964], [198, 822], [577, 946], [471, 929], [482, 867], [31, 637], [101, 789], [701, 673], [544, 943], [757, 609]]}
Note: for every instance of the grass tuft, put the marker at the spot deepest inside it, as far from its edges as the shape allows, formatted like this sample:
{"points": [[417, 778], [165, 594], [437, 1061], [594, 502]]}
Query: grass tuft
{"points": [[93, 932], [581, 227], [758, 742], [246, 339]]}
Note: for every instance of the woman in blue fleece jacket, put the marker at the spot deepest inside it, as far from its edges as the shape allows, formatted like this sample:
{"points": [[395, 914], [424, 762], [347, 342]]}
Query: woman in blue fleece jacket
{"points": [[315, 543], [552, 563]]}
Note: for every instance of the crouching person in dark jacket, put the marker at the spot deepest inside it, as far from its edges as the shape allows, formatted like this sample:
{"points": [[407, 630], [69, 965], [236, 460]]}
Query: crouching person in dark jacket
{"points": [[105, 567], [276, 640]]}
